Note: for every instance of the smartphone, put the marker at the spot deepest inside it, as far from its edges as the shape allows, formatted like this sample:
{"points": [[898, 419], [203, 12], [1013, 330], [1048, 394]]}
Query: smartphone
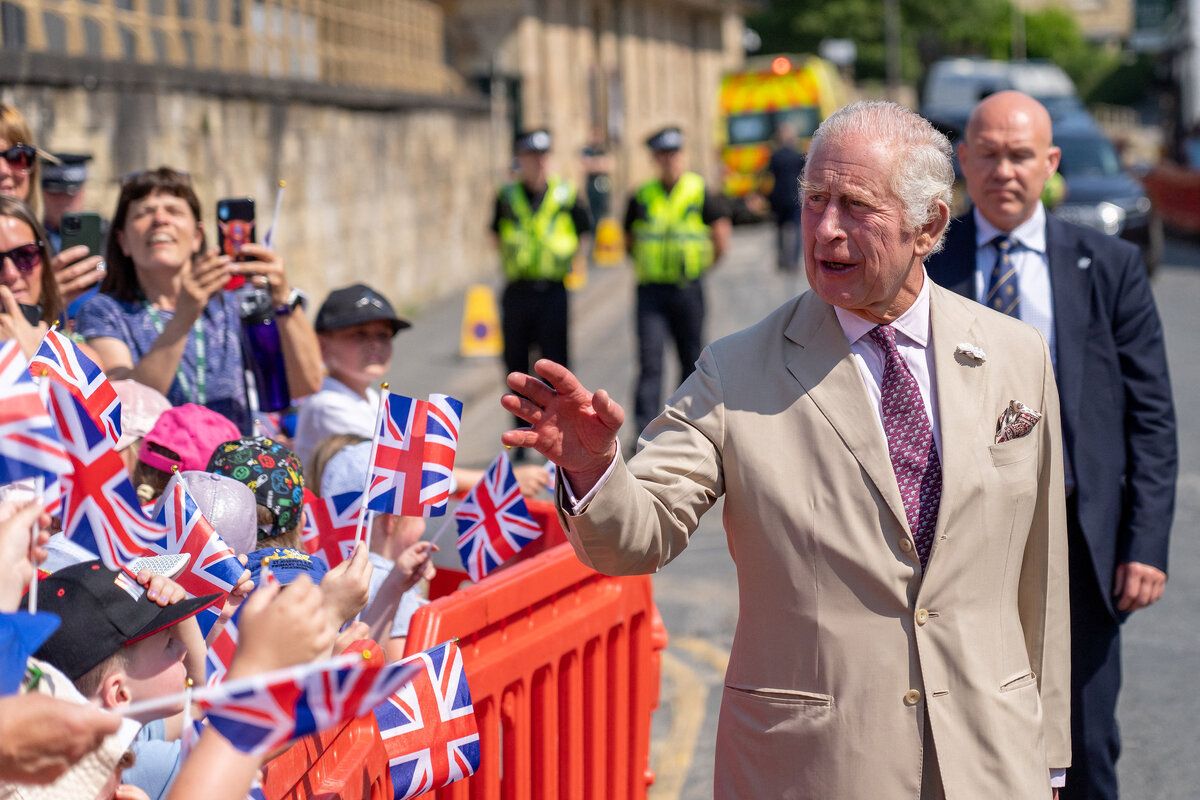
{"points": [[235, 227], [83, 227], [32, 314]]}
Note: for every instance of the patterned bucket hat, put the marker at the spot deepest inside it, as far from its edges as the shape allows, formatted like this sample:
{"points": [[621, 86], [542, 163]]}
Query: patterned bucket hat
{"points": [[272, 472]]}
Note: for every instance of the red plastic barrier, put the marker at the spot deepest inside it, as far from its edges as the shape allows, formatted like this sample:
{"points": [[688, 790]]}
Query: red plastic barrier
{"points": [[451, 580], [344, 762], [564, 670], [1175, 193]]}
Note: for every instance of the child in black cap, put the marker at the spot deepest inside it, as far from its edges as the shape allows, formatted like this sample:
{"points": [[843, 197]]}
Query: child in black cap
{"points": [[355, 328]]}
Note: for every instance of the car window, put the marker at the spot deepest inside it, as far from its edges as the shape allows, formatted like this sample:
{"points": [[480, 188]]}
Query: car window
{"points": [[1087, 156]]}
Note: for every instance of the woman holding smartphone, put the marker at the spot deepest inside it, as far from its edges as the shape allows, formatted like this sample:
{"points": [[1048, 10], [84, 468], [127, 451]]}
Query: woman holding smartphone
{"points": [[74, 269], [163, 317], [29, 300]]}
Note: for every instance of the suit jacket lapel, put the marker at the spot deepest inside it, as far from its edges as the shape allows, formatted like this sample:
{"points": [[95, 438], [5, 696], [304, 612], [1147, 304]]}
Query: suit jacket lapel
{"points": [[963, 420], [1070, 285], [821, 362]]}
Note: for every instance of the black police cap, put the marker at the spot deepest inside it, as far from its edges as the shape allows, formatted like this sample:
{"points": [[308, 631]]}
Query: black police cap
{"points": [[669, 138], [68, 174], [536, 140]]}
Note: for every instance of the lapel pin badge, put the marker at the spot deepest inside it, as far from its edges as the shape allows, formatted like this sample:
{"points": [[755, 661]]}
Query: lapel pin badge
{"points": [[971, 351], [1084, 262]]}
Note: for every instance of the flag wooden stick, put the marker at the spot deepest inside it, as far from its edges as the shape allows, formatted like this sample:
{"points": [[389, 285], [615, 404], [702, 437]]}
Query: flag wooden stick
{"points": [[39, 489], [448, 523], [272, 232], [362, 503]]}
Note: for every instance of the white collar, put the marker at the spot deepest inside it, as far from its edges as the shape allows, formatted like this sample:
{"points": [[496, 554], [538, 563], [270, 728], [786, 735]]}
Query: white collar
{"points": [[913, 323], [1030, 234], [332, 384]]}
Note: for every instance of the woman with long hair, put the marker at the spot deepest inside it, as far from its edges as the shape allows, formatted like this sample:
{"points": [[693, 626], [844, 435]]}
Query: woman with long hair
{"points": [[163, 317], [25, 277]]}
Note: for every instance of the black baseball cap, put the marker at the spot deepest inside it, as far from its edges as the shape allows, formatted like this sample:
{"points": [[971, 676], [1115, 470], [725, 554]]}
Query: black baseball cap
{"points": [[354, 305], [102, 610]]}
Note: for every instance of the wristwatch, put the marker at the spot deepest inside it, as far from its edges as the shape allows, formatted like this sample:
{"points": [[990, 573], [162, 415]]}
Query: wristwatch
{"points": [[295, 298]]}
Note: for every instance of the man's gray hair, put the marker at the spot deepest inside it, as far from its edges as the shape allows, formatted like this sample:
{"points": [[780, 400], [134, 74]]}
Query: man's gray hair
{"points": [[923, 171]]}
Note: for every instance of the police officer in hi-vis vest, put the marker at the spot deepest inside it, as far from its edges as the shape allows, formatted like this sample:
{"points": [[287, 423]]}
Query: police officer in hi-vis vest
{"points": [[538, 222], [675, 230]]}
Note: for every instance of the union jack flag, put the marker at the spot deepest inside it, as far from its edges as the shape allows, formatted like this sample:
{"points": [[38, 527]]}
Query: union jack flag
{"points": [[100, 507], [261, 713], [214, 567], [493, 522], [428, 727], [221, 651], [60, 360], [29, 446], [330, 524], [415, 445]]}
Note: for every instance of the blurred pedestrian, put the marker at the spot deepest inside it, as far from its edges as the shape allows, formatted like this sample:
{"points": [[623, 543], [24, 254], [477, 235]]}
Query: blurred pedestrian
{"points": [[538, 222], [1089, 297], [29, 298], [903, 623], [785, 167], [676, 230], [163, 316]]}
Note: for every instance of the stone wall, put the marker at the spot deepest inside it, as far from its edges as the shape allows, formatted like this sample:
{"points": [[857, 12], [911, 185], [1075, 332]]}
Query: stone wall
{"points": [[396, 192]]}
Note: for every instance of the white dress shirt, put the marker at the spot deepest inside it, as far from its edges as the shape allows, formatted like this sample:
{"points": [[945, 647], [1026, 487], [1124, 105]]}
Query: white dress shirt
{"points": [[1032, 263]]}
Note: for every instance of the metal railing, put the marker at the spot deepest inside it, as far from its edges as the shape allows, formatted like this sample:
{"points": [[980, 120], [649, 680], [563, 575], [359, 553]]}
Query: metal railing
{"points": [[385, 44]]}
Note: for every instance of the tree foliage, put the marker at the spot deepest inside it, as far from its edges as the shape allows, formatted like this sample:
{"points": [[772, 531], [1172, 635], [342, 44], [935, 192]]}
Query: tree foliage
{"points": [[930, 30]]}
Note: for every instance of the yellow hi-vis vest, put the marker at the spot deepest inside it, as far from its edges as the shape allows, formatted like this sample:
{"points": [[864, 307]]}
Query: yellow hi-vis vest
{"points": [[672, 243], [538, 246]]}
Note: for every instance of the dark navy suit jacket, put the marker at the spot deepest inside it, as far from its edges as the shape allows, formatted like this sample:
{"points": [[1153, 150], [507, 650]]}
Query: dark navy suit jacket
{"points": [[1117, 413]]}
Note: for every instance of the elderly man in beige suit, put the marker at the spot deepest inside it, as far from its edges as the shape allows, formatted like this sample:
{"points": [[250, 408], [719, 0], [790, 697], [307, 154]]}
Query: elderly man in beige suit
{"points": [[890, 458]]}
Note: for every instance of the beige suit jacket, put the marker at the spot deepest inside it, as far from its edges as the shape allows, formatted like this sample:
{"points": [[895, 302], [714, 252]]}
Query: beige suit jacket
{"points": [[843, 646]]}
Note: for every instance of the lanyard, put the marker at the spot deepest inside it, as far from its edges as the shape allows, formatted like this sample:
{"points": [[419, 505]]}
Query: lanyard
{"points": [[200, 396]]}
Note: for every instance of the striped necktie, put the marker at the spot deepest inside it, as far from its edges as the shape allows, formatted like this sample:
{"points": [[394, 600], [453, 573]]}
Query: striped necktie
{"points": [[1004, 291]]}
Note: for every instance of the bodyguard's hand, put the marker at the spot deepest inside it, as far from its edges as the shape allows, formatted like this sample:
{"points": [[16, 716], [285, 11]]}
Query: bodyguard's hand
{"points": [[75, 272], [41, 736], [1138, 585], [571, 426]]}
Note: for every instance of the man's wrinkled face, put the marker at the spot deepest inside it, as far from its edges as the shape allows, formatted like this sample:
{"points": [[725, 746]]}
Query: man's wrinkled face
{"points": [[1007, 157], [858, 253]]}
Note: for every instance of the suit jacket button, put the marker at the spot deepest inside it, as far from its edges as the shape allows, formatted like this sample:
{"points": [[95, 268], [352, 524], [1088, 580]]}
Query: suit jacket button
{"points": [[922, 616], [912, 697], [906, 545]]}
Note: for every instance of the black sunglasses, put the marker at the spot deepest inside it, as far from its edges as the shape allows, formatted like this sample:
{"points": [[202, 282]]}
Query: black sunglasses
{"points": [[20, 156], [26, 258]]}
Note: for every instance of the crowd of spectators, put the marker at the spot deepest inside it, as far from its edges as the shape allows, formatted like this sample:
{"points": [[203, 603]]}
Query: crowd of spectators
{"points": [[156, 312]]}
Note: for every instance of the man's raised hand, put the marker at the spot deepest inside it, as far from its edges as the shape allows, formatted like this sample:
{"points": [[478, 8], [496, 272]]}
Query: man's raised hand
{"points": [[571, 426]]}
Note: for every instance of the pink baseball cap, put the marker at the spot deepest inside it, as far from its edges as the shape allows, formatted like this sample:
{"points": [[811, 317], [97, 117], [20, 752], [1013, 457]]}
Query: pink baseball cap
{"points": [[141, 407], [192, 431]]}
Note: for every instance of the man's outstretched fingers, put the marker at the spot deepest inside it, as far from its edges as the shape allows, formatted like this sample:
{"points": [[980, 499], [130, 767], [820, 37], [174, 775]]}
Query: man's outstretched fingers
{"points": [[608, 410], [558, 376], [531, 387], [520, 407], [522, 437]]}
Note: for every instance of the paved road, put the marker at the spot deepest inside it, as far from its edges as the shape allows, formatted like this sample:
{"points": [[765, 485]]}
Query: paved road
{"points": [[697, 595]]}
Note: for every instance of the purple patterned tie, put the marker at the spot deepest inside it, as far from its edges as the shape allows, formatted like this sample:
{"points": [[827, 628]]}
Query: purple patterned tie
{"points": [[910, 443]]}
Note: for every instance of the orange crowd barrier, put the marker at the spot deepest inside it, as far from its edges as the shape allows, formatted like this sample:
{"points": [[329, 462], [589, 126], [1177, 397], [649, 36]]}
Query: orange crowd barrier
{"points": [[563, 665], [564, 670]]}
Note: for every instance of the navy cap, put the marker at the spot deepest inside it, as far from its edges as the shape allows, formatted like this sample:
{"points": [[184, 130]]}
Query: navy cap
{"points": [[536, 140], [354, 305], [667, 139], [67, 176]]}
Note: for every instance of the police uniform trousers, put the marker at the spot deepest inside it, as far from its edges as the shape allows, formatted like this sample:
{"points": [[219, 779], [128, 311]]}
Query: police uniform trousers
{"points": [[665, 310], [534, 314], [1095, 676]]}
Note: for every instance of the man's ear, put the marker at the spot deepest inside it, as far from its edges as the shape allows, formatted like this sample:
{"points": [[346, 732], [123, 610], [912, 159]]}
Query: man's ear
{"points": [[114, 690], [1053, 158], [929, 234]]}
